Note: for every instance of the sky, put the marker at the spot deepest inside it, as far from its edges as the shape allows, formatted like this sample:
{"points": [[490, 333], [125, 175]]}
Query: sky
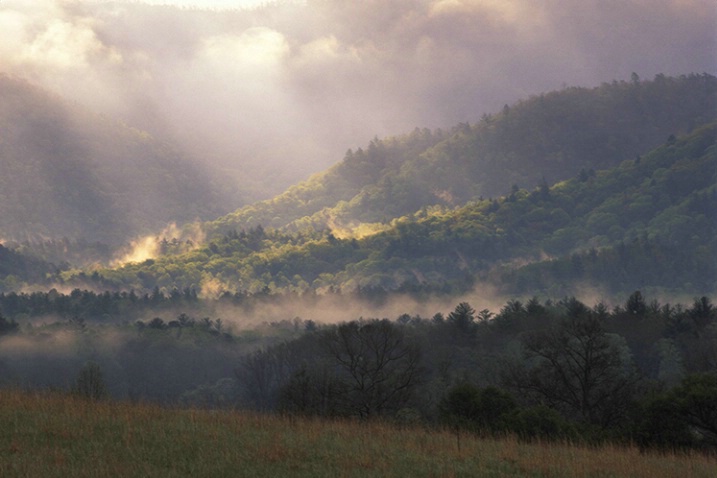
{"points": [[273, 93], [210, 4]]}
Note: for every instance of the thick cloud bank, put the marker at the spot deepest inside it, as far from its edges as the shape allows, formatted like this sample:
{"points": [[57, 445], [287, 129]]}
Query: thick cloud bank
{"points": [[274, 93]]}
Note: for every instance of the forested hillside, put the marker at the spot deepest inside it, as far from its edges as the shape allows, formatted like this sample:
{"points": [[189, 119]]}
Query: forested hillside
{"points": [[647, 223], [611, 190], [69, 173], [433, 211], [542, 139]]}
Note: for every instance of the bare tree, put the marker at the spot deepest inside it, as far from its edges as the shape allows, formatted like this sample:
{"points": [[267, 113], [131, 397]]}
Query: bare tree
{"points": [[262, 373], [90, 384], [377, 363], [578, 368]]}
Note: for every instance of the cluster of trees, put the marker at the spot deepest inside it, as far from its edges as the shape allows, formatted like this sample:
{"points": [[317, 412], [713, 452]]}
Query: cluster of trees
{"points": [[640, 371], [647, 223], [548, 370], [93, 306], [550, 137], [18, 269], [410, 213]]}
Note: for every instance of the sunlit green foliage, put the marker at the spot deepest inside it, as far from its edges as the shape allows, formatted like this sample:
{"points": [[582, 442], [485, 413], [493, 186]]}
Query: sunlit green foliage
{"points": [[545, 138], [643, 224]]}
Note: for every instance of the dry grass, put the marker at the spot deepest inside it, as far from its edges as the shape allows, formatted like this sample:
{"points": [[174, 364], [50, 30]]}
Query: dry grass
{"points": [[55, 435]]}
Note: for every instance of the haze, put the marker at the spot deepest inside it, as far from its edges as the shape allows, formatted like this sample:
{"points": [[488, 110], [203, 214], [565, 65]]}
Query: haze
{"points": [[271, 92]]}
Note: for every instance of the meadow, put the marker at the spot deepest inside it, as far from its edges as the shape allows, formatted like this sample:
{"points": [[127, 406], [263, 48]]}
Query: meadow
{"points": [[52, 434]]}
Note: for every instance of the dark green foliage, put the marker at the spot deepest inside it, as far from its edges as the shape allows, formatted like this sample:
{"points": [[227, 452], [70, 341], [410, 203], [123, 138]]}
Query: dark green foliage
{"points": [[542, 423], [658, 424], [94, 306], [7, 326], [635, 305], [579, 368], [18, 269], [90, 383], [494, 411], [702, 312], [461, 406], [463, 319], [683, 417], [696, 402], [574, 376]]}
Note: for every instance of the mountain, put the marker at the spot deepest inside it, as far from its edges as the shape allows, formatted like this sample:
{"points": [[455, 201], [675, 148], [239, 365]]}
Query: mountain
{"points": [[648, 222], [69, 173], [540, 140]]}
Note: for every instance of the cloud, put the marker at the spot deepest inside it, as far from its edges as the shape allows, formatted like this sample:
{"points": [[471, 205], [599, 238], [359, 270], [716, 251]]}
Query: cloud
{"points": [[277, 92]]}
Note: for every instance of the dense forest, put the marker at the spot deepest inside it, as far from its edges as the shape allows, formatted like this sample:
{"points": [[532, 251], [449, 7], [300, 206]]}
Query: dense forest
{"points": [[332, 299], [646, 223], [542, 139], [640, 371], [630, 208]]}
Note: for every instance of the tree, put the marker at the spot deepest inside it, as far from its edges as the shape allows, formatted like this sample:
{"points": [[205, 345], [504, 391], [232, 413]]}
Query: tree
{"points": [[696, 400], [488, 410], [702, 312], [578, 368], [90, 384], [7, 326], [377, 364], [463, 321], [683, 417], [636, 305], [263, 373], [313, 391], [462, 317]]}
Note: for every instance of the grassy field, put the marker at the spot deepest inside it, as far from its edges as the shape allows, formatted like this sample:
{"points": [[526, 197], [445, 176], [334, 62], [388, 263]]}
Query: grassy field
{"points": [[48, 435]]}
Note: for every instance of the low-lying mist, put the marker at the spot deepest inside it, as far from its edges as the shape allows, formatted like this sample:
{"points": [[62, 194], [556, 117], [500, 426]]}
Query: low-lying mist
{"points": [[168, 349], [196, 352]]}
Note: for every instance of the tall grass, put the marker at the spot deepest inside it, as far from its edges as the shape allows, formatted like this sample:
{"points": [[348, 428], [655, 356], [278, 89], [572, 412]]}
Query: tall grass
{"points": [[48, 435]]}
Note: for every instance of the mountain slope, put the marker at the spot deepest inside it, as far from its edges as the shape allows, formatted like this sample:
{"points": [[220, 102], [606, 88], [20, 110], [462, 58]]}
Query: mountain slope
{"points": [[542, 139], [666, 197], [69, 173]]}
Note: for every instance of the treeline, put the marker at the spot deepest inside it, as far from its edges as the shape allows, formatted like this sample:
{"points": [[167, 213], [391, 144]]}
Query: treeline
{"points": [[545, 138], [647, 223], [88, 305], [424, 236], [641, 371]]}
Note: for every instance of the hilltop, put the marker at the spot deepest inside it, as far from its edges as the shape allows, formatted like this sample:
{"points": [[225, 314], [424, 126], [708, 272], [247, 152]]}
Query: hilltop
{"points": [[645, 223], [608, 187], [539, 140]]}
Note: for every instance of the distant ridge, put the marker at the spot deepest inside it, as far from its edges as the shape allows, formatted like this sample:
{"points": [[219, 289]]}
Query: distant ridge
{"points": [[69, 173], [542, 139]]}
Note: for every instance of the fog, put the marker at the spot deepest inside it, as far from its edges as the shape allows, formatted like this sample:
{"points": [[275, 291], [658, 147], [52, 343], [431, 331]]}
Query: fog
{"points": [[275, 92]]}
